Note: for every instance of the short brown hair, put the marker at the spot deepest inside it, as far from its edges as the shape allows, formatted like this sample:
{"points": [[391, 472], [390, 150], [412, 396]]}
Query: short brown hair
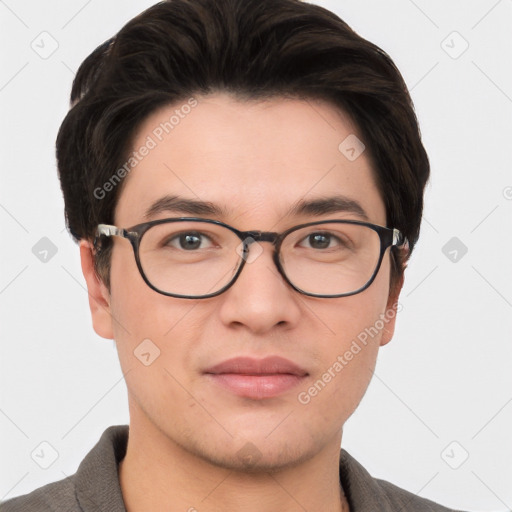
{"points": [[254, 49]]}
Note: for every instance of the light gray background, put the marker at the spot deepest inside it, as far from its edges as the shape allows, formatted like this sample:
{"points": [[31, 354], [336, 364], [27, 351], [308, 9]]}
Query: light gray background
{"points": [[446, 377]]}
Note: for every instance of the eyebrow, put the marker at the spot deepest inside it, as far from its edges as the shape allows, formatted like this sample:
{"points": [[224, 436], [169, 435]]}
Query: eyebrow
{"points": [[183, 205], [315, 207], [332, 204]]}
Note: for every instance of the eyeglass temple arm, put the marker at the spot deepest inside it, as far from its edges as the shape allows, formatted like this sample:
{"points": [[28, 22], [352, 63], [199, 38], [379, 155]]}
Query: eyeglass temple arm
{"points": [[107, 230], [399, 239]]}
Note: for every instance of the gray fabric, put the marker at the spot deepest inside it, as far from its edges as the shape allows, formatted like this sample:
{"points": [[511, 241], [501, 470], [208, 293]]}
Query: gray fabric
{"points": [[95, 486], [368, 494]]}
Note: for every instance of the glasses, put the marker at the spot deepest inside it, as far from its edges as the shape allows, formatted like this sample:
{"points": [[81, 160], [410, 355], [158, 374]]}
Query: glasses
{"points": [[195, 258]]}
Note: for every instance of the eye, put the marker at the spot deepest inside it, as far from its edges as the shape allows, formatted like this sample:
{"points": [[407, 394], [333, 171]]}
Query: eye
{"points": [[322, 240], [188, 241]]}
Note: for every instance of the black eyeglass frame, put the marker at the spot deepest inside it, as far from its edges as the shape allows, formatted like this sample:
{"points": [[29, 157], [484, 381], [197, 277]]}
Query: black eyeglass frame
{"points": [[389, 237]]}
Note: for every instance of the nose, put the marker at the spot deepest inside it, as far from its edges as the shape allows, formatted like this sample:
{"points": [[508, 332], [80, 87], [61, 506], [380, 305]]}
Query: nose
{"points": [[260, 299]]}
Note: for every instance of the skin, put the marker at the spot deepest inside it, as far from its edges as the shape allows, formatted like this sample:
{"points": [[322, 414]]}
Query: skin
{"points": [[256, 159]]}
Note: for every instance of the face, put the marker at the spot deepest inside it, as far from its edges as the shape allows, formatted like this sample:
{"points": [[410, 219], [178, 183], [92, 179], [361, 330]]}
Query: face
{"points": [[254, 160]]}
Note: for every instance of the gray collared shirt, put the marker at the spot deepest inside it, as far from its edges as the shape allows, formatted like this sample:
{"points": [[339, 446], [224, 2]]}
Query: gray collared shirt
{"points": [[95, 486]]}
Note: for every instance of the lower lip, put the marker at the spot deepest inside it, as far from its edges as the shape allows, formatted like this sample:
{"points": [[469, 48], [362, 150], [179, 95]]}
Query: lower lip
{"points": [[257, 386]]}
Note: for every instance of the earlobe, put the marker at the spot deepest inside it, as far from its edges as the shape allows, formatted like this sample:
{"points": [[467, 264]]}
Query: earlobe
{"points": [[392, 308], [99, 297]]}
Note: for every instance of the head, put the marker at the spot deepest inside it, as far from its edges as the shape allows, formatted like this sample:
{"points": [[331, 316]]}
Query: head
{"points": [[244, 105]]}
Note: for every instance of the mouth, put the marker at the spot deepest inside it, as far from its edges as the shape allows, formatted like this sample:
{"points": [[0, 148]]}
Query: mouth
{"points": [[257, 378]]}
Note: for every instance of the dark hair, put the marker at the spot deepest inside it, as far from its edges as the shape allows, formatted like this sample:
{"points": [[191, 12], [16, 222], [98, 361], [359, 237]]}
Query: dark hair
{"points": [[254, 49]]}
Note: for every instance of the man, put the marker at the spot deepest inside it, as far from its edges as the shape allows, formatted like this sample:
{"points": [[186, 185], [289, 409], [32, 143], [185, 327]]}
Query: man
{"points": [[245, 179]]}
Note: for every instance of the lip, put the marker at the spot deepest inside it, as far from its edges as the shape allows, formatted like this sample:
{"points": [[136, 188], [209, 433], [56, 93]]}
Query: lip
{"points": [[257, 378]]}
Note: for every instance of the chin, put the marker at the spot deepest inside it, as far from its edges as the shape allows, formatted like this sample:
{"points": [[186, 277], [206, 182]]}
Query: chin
{"points": [[257, 458]]}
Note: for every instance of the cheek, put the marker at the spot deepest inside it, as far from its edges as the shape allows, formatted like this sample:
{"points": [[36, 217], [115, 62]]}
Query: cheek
{"points": [[357, 317], [347, 355], [340, 381], [154, 336], [144, 321]]}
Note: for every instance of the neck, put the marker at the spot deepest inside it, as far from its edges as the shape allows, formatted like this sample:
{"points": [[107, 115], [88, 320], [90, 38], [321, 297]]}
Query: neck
{"points": [[157, 474]]}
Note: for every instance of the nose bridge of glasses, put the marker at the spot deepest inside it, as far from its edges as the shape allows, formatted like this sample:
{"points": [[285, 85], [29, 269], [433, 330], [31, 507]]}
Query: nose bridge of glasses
{"points": [[260, 236], [249, 237]]}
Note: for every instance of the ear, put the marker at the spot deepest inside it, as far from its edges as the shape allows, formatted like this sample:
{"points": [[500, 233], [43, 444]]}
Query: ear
{"points": [[99, 296], [392, 308]]}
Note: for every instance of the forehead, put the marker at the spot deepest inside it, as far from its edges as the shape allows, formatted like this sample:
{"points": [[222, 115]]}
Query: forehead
{"points": [[254, 159]]}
